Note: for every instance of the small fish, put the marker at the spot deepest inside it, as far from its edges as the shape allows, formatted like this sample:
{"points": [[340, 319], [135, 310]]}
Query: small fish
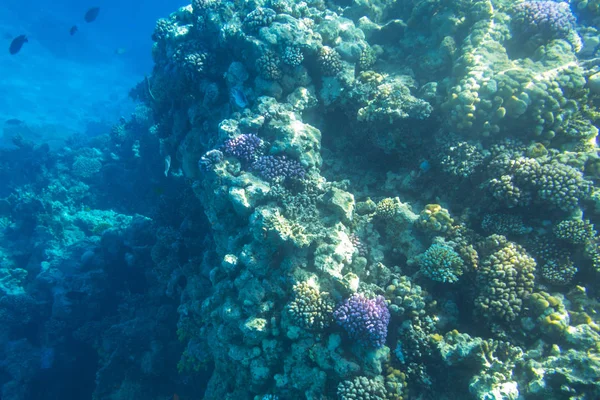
{"points": [[175, 397], [17, 43], [238, 97], [91, 14], [13, 121], [73, 30], [120, 51], [167, 165]]}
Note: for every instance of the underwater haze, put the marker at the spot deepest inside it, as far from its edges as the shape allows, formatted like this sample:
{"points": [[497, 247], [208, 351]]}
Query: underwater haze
{"points": [[63, 83], [300, 200]]}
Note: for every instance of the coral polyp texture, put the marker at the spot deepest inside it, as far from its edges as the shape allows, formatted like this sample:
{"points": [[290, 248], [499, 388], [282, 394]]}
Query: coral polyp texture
{"points": [[246, 147], [274, 168], [341, 200], [441, 263], [551, 19], [310, 309], [365, 320], [361, 388], [505, 281]]}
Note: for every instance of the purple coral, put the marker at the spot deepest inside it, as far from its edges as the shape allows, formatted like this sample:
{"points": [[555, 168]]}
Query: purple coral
{"points": [[365, 320], [247, 147], [278, 168], [553, 20]]}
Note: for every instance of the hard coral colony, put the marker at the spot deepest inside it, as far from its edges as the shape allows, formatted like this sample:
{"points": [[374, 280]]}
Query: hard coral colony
{"points": [[396, 200], [498, 100]]}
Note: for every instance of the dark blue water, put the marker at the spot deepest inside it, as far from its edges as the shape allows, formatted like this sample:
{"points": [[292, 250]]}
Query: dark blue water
{"points": [[63, 300]]}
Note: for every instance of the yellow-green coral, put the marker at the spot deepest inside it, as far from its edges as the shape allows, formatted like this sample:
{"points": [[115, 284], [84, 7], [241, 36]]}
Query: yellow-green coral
{"points": [[435, 219], [537, 150], [575, 231], [310, 309], [395, 382], [388, 208], [504, 281], [277, 226], [550, 314]]}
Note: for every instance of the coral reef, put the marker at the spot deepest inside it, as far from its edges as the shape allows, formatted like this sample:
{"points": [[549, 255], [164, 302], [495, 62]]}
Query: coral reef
{"points": [[381, 179], [361, 388], [309, 308], [365, 320], [553, 20], [441, 263], [505, 279], [320, 200]]}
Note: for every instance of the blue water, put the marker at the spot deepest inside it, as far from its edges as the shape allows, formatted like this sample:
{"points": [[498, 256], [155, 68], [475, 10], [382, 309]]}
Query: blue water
{"points": [[60, 87], [60, 83]]}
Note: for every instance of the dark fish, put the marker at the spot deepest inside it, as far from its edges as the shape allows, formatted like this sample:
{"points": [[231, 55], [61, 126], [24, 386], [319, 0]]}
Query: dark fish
{"points": [[13, 121], [73, 30], [91, 14], [17, 43]]}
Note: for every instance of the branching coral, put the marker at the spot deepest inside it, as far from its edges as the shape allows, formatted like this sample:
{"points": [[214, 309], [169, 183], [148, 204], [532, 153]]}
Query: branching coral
{"points": [[575, 231], [361, 388], [258, 18], [550, 19], [329, 61], [519, 181], [278, 168], [310, 309], [504, 224], [504, 280], [86, 167], [365, 320], [246, 147], [441, 263]]}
